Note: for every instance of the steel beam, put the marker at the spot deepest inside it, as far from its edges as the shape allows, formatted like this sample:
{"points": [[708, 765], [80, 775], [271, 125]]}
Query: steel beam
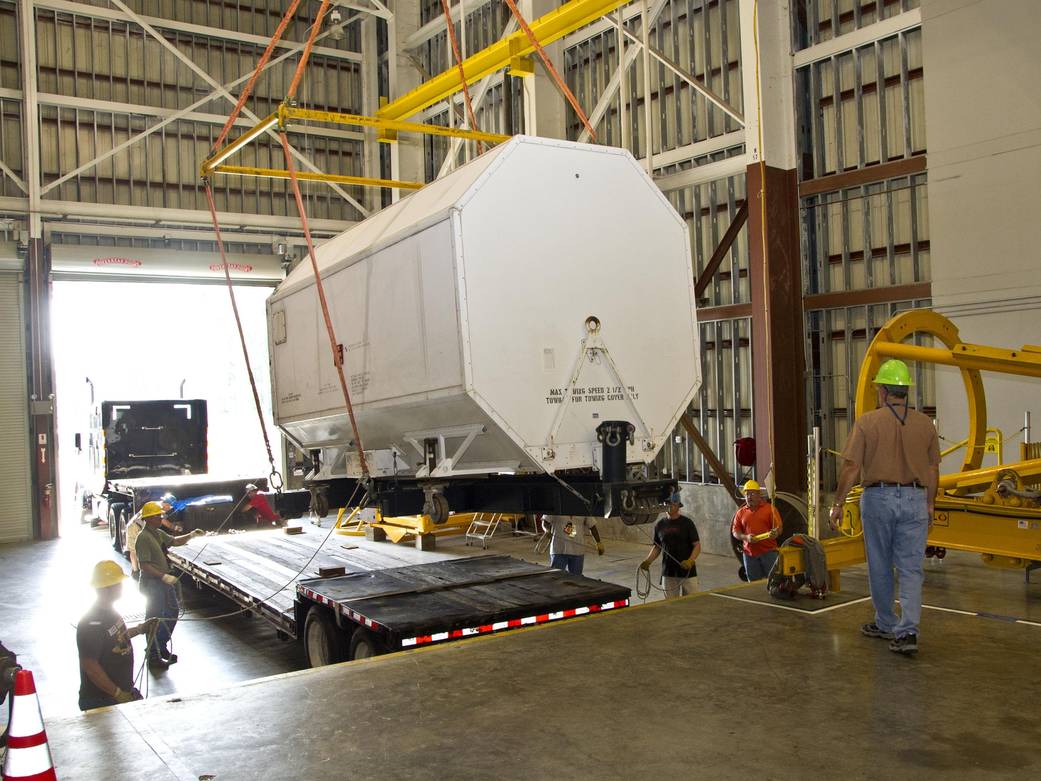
{"points": [[548, 28], [307, 176], [393, 124], [180, 114], [603, 103], [437, 26], [220, 88], [30, 116], [109, 106], [721, 251], [161, 216], [688, 77], [873, 32], [260, 41]]}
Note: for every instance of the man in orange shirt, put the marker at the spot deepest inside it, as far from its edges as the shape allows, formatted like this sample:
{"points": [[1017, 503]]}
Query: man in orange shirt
{"points": [[757, 525]]}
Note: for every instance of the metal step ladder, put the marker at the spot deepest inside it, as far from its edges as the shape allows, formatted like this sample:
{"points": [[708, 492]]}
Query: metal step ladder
{"points": [[483, 527]]}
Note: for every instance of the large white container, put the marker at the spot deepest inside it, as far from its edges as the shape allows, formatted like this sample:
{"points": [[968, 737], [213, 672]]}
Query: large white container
{"points": [[462, 311]]}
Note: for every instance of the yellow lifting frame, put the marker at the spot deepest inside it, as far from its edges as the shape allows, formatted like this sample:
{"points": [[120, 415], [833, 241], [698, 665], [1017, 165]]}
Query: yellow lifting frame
{"points": [[286, 113], [1006, 535], [510, 51]]}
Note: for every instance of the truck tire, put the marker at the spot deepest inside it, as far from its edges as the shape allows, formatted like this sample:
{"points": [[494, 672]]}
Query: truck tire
{"points": [[364, 645], [323, 640], [121, 532], [111, 521]]}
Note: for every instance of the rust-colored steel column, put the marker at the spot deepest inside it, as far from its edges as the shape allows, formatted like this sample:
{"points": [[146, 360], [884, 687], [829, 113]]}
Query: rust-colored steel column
{"points": [[778, 361], [41, 390]]}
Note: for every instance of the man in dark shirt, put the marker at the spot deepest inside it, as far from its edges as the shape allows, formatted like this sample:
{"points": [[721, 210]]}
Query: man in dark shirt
{"points": [[103, 641], [677, 537]]}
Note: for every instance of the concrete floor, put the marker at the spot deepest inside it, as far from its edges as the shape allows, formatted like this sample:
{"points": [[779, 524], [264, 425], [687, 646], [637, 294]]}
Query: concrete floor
{"points": [[44, 594], [717, 686]]}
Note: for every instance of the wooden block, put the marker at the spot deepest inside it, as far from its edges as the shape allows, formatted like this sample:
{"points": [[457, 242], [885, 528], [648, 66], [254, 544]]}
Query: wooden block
{"points": [[293, 530], [331, 572]]}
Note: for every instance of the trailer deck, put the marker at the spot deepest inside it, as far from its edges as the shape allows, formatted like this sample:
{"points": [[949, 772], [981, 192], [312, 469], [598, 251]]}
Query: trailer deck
{"points": [[463, 598], [260, 569], [402, 593]]}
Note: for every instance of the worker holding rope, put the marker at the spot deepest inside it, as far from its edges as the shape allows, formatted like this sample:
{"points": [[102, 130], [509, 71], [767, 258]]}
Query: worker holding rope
{"points": [[158, 583], [103, 640], [676, 537]]}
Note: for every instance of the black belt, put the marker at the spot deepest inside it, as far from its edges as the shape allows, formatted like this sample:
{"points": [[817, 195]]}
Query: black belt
{"points": [[915, 484]]}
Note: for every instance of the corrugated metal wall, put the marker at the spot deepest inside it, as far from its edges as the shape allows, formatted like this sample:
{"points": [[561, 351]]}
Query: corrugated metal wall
{"points": [[15, 512]]}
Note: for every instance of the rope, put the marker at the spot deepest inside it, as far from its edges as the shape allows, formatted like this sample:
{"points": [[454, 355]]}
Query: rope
{"points": [[295, 84], [275, 483], [256, 73], [552, 70], [337, 351], [462, 73], [299, 572]]}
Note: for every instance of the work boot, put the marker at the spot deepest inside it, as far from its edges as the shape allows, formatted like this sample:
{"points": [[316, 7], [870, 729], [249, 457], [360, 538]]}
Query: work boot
{"points": [[906, 645], [168, 657], [157, 662], [872, 630]]}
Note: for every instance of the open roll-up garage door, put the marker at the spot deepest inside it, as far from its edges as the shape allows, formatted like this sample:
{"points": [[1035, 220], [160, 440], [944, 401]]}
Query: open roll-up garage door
{"points": [[15, 514]]}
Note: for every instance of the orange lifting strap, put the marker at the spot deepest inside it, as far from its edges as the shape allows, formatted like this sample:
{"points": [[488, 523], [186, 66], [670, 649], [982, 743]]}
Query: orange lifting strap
{"points": [[320, 289]]}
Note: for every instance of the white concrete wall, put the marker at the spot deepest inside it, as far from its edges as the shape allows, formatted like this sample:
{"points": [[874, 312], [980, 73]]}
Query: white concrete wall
{"points": [[983, 125]]}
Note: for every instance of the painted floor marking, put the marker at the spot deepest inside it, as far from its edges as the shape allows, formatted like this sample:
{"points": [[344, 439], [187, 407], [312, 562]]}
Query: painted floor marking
{"points": [[788, 607]]}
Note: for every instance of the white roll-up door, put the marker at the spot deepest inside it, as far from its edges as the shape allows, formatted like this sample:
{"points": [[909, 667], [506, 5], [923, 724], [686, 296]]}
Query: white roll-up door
{"points": [[15, 515]]}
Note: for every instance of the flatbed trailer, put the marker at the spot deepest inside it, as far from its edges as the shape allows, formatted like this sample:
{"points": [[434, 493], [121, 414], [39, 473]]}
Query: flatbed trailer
{"points": [[377, 600]]}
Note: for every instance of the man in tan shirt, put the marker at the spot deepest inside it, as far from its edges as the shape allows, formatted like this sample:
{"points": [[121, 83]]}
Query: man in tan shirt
{"points": [[896, 454]]}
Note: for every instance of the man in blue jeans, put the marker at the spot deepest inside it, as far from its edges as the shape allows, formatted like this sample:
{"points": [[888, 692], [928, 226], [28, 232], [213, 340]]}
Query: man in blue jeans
{"points": [[567, 547], [896, 453], [158, 583]]}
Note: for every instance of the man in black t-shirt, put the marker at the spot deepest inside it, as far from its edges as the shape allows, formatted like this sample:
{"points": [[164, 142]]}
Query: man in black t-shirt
{"points": [[103, 640], [677, 537]]}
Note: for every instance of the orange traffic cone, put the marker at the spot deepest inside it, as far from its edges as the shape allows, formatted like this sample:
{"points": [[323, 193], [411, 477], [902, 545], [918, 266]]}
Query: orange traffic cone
{"points": [[28, 755]]}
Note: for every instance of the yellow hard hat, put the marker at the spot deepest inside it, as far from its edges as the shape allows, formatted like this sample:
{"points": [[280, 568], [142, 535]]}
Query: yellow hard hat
{"points": [[106, 573], [150, 510], [751, 485]]}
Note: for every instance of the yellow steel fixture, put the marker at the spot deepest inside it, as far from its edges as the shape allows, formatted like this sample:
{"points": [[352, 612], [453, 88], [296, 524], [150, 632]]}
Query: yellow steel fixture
{"points": [[307, 176], [510, 51], [389, 128], [1001, 519]]}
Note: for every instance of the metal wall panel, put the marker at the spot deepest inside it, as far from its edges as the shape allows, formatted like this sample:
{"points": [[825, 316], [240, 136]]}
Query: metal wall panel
{"points": [[15, 466]]}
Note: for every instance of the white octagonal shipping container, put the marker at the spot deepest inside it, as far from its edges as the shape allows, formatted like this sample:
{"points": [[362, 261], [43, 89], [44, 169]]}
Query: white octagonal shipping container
{"points": [[466, 315]]}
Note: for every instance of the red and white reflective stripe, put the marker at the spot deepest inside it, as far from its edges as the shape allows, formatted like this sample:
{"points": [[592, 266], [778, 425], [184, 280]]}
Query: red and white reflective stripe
{"points": [[29, 764], [356, 616], [513, 623]]}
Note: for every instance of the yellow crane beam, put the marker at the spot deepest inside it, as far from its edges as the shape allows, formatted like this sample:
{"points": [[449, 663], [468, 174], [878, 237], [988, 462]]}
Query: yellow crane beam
{"points": [[309, 176], [395, 125], [511, 51]]}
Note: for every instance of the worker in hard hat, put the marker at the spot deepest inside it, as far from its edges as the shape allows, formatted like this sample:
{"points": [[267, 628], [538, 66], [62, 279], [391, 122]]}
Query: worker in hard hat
{"points": [[567, 546], [757, 525], [103, 640], [257, 503], [136, 524], [895, 453], [158, 581], [675, 537]]}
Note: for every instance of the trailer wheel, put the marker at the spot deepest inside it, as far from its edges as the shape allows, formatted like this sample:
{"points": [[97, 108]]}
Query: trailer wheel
{"points": [[323, 640], [364, 645], [111, 519], [121, 532]]}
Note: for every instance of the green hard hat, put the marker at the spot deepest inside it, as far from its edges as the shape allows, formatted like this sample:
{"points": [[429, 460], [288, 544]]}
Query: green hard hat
{"points": [[893, 372]]}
